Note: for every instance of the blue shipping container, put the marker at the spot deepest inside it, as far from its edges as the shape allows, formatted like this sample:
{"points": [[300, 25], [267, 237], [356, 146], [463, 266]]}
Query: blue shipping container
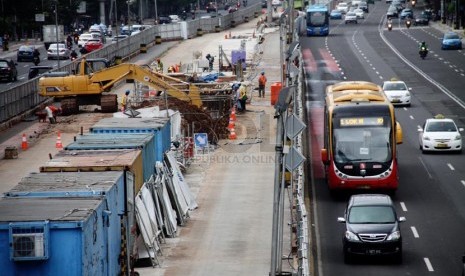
{"points": [[160, 127], [106, 187], [59, 236], [143, 141]]}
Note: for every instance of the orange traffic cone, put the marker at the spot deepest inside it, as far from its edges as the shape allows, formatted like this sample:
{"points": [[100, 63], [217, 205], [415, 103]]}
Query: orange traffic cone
{"points": [[231, 123], [24, 142], [232, 134], [233, 114], [58, 144]]}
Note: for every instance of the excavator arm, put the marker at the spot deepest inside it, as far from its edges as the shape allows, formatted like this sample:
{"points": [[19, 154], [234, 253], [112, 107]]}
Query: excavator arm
{"points": [[88, 83]]}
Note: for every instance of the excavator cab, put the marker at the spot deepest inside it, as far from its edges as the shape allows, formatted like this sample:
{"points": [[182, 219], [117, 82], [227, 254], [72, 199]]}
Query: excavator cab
{"points": [[91, 65]]}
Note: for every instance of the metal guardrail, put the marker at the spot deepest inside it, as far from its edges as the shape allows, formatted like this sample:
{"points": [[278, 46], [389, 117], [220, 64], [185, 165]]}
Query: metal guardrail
{"points": [[23, 98]]}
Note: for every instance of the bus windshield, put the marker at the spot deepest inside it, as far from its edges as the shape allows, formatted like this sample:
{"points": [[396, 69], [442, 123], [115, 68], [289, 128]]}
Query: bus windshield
{"points": [[362, 144], [317, 19]]}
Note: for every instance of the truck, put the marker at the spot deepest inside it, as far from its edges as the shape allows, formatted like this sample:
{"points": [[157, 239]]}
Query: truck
{"points": [[50, 34], [93, 79]]}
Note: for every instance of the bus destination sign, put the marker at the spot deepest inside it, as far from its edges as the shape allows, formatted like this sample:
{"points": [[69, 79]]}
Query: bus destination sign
{"points": [[367, 121]]}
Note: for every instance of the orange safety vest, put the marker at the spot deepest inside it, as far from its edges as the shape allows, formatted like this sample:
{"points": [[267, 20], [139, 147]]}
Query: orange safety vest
{"points": [[262, 80]]}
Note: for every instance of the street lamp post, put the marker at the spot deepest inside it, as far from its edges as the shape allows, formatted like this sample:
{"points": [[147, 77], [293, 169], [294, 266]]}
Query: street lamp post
{"points": [[56, 32]]}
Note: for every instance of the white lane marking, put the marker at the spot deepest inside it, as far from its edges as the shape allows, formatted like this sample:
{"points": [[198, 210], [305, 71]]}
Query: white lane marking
{"points": [[403, 206], [450, 166], [426, 169], [411, 117], [415, 232], [463, 182], [428, 264]]}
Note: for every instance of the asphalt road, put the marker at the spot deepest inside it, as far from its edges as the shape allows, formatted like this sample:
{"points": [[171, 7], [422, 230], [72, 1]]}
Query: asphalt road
{"points": [[431, 188]]}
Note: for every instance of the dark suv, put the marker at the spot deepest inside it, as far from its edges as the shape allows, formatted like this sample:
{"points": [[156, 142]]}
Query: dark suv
{"points": [[8, 70], [372, 227]]}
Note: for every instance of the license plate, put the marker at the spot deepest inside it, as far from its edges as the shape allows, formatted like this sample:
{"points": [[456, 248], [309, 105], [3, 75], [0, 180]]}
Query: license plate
{"points": [[441, 145], [395, 101], [373, 251]]}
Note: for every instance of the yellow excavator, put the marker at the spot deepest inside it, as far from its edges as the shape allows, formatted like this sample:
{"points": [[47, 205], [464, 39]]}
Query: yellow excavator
{"points": [[93, 79]]}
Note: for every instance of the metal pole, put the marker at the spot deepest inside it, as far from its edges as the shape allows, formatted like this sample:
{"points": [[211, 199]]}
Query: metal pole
{"points": [[56, 29], [156, 11], [276, 199]]}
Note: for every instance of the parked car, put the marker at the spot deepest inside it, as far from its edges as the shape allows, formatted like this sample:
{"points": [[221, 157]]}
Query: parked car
{"points": [[174, 18], [164, 20], [92, 45], [264, 4], [35, 71], [8, 70], [451, 40], [58, 51], [440, 134], [406, 13], [25, 53], [371, 227], [350, 17], [335, 14], [397, 92], [422, 19]]}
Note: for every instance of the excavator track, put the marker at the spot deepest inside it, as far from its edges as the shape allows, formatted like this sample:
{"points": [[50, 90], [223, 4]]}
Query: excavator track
{"points": [[109, 103], [69, 106]]}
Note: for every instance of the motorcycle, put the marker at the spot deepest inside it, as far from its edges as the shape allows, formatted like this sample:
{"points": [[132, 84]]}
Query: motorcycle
{"points": [[423, 52], [413, 3], [36, 60], [408, 23], [389, 26]]}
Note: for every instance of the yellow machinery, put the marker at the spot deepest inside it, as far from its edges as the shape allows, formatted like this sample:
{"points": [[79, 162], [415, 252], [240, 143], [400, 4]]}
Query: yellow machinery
{"points": [[94, 79]]}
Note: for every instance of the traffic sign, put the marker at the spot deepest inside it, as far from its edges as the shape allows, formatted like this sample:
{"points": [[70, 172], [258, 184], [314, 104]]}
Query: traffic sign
{"points": [[200, 140]]}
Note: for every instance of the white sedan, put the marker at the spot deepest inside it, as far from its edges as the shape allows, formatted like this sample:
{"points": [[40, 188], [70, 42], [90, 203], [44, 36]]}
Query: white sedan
{"points": [[350, 17], [440, 134], [397, 92], [359, 13]]}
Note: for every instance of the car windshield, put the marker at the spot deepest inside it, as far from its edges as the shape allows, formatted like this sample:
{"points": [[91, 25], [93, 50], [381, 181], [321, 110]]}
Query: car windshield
{"points": [[441, 127], [451, 36], [371, 215], [25, 48], [3, 64], [394, 86], [350, 14]]}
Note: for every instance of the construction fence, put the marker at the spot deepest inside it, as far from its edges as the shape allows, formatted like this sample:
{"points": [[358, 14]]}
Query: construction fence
{"points": [[22, 100]]}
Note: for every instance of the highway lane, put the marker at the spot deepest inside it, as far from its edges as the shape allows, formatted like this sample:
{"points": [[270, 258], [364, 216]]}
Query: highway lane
{"points": [[431, 185]]}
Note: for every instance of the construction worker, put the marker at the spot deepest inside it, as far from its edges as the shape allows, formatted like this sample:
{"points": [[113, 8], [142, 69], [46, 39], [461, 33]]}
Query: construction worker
{"points": [[242, 96], [124, 101], [159, 66], [52, 112], [261, 85]]}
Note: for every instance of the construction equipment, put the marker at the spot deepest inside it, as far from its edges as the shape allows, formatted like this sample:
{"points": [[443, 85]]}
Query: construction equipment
{"points": [[93, 80]]}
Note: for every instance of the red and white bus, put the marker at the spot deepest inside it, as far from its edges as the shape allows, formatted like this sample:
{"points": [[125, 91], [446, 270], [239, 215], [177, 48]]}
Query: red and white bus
{"points": [[360, 137]]}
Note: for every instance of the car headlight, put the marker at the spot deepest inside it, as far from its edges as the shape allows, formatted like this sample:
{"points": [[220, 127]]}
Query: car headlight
{"points": [[394, 236], [407, 94], [351, 236], [426, 138], [458, 137]]}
